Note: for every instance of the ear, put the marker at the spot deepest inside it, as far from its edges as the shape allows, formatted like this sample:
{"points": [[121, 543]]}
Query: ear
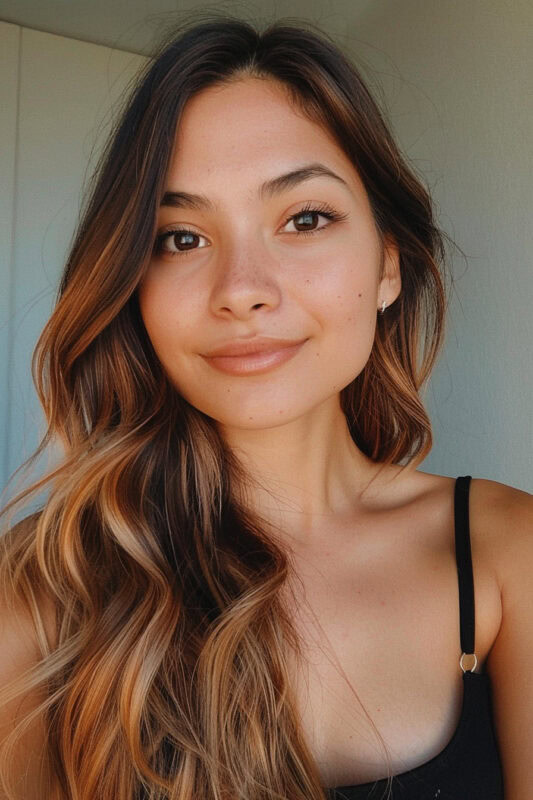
{"points": [[391, 283]]}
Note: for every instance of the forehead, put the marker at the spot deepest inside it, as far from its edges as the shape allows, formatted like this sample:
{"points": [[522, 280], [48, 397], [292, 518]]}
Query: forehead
{"points": [[244, 132]]}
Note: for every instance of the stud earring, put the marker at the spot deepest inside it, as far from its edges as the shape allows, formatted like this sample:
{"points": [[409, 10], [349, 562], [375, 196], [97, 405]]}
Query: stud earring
{"points": [[383, 306]]}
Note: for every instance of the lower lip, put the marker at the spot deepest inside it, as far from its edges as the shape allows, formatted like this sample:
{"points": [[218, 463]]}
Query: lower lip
{"points": [[253, 363]]}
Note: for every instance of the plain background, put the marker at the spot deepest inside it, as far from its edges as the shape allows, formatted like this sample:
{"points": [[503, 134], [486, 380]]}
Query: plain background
{"points": [[455, 80]]}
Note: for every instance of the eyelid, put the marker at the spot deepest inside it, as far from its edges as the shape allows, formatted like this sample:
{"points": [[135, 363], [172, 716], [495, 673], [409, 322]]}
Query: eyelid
{"points": [[320, 208], [176, 229]]}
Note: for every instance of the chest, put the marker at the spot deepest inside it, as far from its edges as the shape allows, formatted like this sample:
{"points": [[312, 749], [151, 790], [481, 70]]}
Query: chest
{"points": [[382, 641]]}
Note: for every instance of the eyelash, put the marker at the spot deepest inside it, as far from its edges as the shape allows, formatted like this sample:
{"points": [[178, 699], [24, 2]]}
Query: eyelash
{"points": [[323, 210]]}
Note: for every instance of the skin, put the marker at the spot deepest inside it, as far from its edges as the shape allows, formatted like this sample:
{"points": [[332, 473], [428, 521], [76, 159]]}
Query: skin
{"points": [[251, 273]]}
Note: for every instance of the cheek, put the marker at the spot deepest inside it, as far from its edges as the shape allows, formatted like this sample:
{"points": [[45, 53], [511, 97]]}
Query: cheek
{"points": [[345, 297], [346, 309], [344, 278], [162, 317], [150, 307]]}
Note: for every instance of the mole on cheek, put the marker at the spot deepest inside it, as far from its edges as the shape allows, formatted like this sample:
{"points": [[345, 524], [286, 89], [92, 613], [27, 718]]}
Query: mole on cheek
{"points": [[359, 295]]}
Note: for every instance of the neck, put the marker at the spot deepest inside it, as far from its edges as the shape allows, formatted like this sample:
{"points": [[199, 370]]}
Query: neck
{"points": [[306, 473]]}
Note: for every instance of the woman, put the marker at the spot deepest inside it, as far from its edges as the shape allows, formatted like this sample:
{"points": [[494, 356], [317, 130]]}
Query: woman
{"points": [[240, 586]]}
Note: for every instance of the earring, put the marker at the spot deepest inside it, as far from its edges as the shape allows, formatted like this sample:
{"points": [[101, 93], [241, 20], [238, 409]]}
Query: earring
{"points": [[383, 306]]}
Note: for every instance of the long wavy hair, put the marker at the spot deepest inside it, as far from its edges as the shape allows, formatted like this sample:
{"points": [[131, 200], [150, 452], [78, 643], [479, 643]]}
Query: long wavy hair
{"points": [[164, 664]]}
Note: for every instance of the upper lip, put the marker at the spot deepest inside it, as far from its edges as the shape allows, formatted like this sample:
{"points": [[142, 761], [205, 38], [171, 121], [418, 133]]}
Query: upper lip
{"points": [[260, 344]]}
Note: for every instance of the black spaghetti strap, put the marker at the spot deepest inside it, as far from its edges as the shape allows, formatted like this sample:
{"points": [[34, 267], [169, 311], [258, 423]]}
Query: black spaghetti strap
{"points": [[463, 555]]}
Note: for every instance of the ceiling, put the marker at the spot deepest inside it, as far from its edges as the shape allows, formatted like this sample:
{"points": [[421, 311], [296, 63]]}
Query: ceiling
{"points": [[137, 25]]}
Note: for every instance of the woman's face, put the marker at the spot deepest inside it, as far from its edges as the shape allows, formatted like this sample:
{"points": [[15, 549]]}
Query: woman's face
{"points": [[243, 269]]}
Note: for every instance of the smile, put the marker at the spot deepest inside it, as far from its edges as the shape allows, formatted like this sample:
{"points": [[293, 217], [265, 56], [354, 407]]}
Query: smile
{"points": [[253, 363]]}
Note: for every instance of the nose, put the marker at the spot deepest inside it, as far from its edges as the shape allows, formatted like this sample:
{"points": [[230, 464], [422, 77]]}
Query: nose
{"points": [[246, 281]]}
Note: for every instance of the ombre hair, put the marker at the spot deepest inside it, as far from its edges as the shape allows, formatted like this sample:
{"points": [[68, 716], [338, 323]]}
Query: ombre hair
{"points": [[165, 665]]}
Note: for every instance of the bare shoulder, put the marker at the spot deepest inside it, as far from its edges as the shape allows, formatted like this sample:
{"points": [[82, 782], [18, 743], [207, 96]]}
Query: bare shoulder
{"points": [[21, 647], [505, 516], [502, 520]]}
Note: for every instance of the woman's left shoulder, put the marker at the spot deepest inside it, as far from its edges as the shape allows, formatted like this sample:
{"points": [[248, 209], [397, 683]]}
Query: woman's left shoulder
{"points": [[502, 516]]}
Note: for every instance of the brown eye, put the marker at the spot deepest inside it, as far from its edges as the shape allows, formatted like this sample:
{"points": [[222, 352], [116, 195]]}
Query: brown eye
{"points": [[308, 217], [178, 242], [305, 220]]}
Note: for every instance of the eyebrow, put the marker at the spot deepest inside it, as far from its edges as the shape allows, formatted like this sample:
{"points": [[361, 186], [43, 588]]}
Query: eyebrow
{"points": [[268, 189]]}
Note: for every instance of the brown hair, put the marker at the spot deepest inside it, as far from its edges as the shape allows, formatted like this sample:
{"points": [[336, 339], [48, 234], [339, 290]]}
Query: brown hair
{"points": [[169, 677]]}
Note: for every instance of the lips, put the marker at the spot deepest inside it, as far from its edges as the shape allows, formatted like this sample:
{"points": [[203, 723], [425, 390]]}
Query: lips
{"points": [[246, 347], [254, 362]]}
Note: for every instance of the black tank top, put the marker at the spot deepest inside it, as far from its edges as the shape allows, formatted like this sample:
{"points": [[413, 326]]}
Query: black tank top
{"points": [[469, 767]]}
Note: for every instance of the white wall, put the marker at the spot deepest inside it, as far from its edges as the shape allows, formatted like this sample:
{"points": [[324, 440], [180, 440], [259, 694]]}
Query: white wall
{"points": [[458, 82], [56, 94]]}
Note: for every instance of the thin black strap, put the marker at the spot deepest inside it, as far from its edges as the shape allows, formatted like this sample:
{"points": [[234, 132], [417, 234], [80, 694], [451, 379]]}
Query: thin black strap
{"points": [[463, 555]]}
